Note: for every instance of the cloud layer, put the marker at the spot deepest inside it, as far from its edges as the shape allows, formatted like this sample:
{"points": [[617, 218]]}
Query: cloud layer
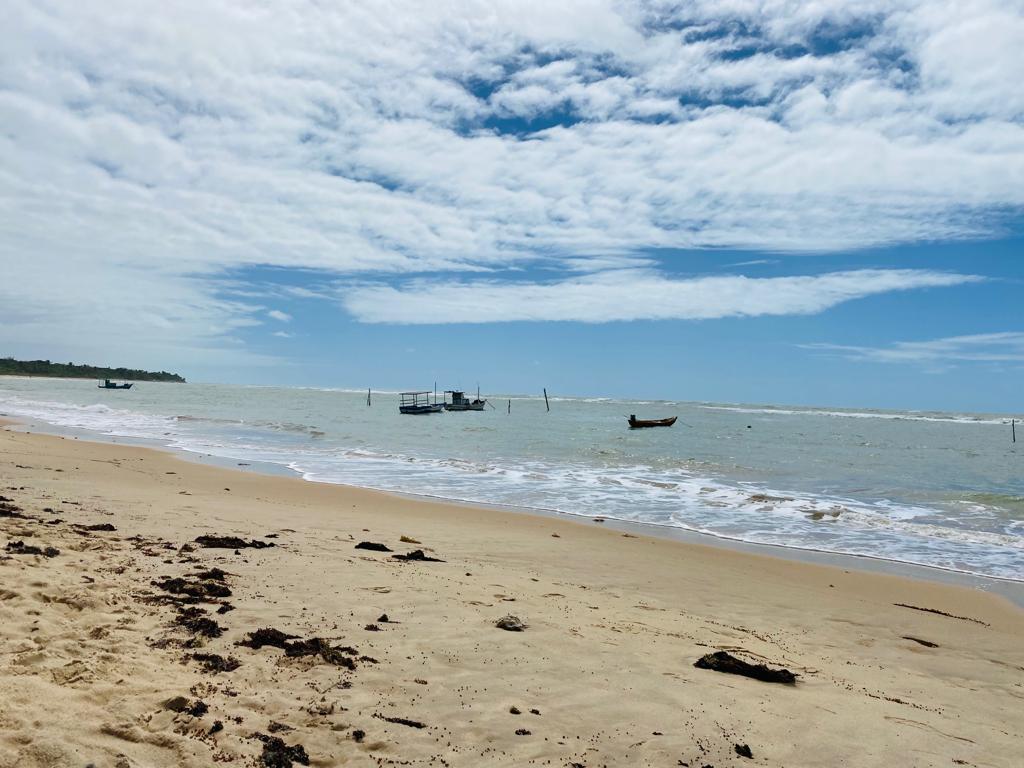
{"points": [[631, 295], [1004, 347], [147, 152]]}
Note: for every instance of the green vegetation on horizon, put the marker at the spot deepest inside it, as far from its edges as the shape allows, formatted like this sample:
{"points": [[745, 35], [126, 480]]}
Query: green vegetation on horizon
{"points": [[11, 367]]}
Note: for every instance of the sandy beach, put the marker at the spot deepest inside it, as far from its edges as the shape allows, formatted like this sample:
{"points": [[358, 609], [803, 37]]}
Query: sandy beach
{"points": [[121, 635]]}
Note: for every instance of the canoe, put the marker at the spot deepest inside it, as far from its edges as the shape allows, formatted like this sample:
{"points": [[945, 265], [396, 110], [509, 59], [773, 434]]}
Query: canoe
{"points": [[635, 423]]}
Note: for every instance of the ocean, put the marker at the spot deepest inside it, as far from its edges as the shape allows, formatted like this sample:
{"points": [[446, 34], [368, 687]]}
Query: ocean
{"points": [[944, 490]]}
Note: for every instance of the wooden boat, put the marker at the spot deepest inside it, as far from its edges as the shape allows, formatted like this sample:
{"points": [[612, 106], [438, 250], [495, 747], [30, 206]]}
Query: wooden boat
{"points": [[417, 403], [108, 384], [635, 423], [462, 403]]}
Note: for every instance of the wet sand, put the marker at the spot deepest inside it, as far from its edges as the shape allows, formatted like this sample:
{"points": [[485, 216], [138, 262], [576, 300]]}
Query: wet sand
{"points": [[121, 648]]}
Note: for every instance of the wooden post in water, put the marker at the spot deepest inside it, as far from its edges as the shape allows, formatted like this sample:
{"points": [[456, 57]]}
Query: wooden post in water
{"points": [[1013, 429], [368, 401], [510, 407], [546, 403]]}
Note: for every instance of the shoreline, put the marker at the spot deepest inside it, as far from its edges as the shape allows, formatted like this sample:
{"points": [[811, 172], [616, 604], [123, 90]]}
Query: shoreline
{"points": [[122, 636], [1011, 589]]}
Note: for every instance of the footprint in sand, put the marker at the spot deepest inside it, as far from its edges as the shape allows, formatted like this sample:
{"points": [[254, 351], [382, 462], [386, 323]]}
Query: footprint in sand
{"points": [[74, 672]]}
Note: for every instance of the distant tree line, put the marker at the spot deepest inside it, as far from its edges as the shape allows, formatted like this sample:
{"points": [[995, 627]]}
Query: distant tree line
{"points": [[11, 367]]}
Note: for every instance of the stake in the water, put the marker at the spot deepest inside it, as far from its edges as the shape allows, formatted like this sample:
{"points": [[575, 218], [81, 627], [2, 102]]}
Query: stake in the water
{"points": [[546, 403], [368, 403]]}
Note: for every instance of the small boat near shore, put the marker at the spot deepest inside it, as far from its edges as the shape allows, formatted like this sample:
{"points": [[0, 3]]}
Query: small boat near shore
{"points": [[418, 403], [108, 384], [635, 423], [462, 403]]}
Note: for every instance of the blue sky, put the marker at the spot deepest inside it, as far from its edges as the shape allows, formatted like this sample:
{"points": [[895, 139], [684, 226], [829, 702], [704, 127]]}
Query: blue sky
{"points": [[763, 201], [848, 355]]}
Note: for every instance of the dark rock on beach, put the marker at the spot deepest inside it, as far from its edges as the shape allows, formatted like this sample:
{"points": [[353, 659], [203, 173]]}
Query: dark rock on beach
{"points": [[510, 624]]}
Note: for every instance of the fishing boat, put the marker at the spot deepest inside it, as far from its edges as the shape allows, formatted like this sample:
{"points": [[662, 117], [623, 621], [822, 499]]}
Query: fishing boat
{"points": [[418, 403], [635, 423], [462, 403], [108, 384]]}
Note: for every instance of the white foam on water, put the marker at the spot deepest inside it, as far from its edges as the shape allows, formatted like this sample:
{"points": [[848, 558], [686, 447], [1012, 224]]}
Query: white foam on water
{"points": [[115, 422], [742, 512], [943, 419]]}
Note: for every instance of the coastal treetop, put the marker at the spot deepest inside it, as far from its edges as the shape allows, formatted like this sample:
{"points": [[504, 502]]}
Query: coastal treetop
{"points": [[11, 367]]}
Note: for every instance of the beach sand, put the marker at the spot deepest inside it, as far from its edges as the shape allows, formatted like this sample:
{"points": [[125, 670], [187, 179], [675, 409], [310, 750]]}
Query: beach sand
{"points": [[98, 659]]}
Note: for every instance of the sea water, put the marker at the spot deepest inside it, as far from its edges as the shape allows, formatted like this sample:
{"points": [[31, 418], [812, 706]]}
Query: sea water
{"points": [[938, 489]]}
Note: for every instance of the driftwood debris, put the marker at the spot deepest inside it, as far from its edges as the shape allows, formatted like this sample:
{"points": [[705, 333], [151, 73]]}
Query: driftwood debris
{"points": [[419, 556], [373, 546], [721, 661]]}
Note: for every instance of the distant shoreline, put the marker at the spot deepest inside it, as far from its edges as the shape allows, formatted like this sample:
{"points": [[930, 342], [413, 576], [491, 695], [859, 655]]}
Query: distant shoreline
{"points": [[50, 370]]}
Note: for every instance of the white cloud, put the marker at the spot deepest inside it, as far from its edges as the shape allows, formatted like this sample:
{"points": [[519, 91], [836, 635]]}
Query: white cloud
{"points": [[284, 334], [277, 314], [1007, 346], [148, 153], [629, 295]]}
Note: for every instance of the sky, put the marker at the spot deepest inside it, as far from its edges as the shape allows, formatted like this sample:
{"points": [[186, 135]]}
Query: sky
{"points": [[736, 201]]}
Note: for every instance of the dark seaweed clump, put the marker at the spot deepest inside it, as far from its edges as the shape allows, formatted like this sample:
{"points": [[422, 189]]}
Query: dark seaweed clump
{"points": [[196, 590], [197, 622], [230, 542], [21, 548], [214, 663], [277, 754]]}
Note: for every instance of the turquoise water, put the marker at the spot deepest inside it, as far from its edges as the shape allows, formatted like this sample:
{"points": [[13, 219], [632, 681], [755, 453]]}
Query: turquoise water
{"points": [[938, 489]]}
